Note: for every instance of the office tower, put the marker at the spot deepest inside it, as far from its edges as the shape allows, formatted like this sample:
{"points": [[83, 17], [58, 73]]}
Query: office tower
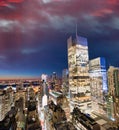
{"points": [[45, 96], [53, 114], [5, 105], [79, 82], [44, 84], [40, 94], [10, 92], [113, 84], [2, 115], [45, 90], [20, 93], [44, 77], [55, 82], [65, 82], [54, 76], [98, 84]]}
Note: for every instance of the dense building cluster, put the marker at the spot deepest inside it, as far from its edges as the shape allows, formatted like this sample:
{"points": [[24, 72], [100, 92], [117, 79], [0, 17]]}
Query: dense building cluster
{"points": [[20, 109], [92, 88], [55, 118], [87, 97]]}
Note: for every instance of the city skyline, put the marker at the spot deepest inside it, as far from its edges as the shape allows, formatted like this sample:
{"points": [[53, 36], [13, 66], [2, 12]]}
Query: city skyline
{"points": [[33, 35]]}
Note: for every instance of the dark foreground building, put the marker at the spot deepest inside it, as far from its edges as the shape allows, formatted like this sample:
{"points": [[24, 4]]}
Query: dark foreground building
{"points": [[83, 121], [65, 126]]}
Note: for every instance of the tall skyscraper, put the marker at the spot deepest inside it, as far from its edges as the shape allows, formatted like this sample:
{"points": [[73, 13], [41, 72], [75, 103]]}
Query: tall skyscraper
{"points": [[45, 90], [54, 76], [5, 103], [79, 82], [113, 84], [65, 81], [98, 84]]}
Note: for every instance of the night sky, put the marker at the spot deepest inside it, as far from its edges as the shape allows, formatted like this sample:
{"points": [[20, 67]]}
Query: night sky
{"points": [[33, 33]]}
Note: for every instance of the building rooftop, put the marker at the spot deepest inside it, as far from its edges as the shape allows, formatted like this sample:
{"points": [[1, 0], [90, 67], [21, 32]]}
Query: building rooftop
{"points": [[104, 122], [101, 122], [65, 126], [55, 94]]}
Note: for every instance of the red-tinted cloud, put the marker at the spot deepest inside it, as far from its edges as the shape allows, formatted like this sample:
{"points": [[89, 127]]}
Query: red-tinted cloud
{"points": [[15, 1], [113, 2], [6, 2], [103, 12], [3, 3]]}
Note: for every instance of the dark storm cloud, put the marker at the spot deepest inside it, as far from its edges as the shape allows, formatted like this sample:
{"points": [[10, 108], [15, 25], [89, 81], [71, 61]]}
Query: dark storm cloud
{"points": [[33, 34]]}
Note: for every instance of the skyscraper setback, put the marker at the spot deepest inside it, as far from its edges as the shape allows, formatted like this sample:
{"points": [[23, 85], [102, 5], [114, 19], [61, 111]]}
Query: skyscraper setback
{"points": [[79, 82]]}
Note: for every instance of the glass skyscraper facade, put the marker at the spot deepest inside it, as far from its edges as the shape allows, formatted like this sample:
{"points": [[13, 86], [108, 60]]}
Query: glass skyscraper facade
{"points": [[98, 84], [65, 83], [113, 84], [79, 82]]}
